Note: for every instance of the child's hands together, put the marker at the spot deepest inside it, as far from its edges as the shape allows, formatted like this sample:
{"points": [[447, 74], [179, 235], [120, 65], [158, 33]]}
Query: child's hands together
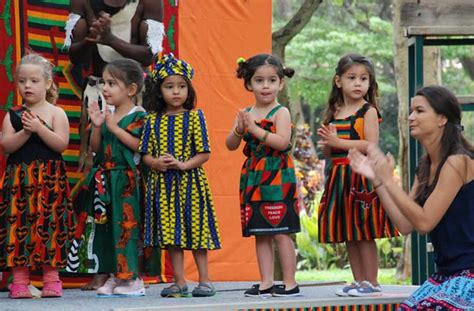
{"points": [[167, 161], [249, 121], [173, 163], [160, 164], [96, 116], [328, 135], [240, 121], [31, 122]]}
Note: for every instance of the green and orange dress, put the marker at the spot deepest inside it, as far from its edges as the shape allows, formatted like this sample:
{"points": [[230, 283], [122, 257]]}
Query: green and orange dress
{"points": [[36, 216], [268, 197], [109, 240], [350, 209]]}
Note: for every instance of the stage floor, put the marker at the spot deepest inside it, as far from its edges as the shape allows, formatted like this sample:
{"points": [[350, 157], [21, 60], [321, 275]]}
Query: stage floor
{"points": [[315, 296]]}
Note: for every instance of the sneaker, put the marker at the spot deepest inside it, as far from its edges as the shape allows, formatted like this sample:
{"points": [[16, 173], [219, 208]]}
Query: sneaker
{"points": [[255, 291], [366, 289], [204, 290], [344, 292], [281, 291], [174, 291], [134, 287], [108, 288]]}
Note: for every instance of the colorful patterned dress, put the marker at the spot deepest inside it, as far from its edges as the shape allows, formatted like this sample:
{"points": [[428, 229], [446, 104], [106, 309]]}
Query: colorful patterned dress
{"points": [[350, 209], [111, 238], [451, 288], [179, 209], [36, 216], [268, 197]]}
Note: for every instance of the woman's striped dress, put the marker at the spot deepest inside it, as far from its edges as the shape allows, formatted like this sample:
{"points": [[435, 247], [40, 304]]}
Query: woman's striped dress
{"points": [[350, 209]]}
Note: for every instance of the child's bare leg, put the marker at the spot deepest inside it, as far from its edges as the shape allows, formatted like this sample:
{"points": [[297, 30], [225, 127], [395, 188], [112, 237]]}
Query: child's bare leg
{"points": [[370, 261], [264, 248], [97, 281], [355, 259], [286, 250], [200, 258], [177, 261]]}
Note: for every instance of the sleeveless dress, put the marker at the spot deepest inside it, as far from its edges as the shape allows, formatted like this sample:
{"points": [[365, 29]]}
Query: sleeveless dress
{"points": [[179, 208], [268, 197], [36, 215], [350, 209], [452, 286], [109, 239]]}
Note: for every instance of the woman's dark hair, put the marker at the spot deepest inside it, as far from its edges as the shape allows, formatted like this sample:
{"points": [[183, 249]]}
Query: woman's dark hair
{"points": [[128, 71], [452, 141], [336, 98], [246, 68], [153, 100]]}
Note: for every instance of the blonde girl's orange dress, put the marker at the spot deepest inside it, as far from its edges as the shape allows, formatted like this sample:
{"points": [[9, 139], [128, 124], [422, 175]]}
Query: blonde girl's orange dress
{"points": [[36, 216]]}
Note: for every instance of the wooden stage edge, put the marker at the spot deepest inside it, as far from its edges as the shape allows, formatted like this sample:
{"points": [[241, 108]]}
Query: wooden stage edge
{"points": [[316, 296]]}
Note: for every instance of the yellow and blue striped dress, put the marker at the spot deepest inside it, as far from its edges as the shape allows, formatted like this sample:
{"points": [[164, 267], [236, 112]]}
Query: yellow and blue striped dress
{"points": [[350, 209], [178, 209]]}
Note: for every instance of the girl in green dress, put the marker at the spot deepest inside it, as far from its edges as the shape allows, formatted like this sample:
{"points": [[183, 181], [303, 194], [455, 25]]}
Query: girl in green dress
{"points": [[268, 197], [113, 197]]}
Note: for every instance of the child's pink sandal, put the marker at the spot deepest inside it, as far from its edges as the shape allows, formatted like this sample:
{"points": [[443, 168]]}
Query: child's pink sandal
{"points": [[52, 289], [18, 291]]}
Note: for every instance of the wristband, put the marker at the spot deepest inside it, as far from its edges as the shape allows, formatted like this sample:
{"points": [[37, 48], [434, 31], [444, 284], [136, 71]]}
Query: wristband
{"points": [[236, 133], [378, 186], [264, 138]]}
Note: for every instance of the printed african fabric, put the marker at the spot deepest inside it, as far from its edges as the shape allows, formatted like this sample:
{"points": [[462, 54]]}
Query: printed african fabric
{"points": [[109, 236], [36, 216], [444, 292], [268, 197], [179, 209], [350, 209]]}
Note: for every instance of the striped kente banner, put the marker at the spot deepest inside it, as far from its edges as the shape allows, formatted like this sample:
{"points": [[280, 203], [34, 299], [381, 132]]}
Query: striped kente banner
{"points": [[38, 26]]}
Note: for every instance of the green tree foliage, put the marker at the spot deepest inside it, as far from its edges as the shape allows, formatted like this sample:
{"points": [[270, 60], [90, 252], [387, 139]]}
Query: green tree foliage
{"points": [[337, 28]]}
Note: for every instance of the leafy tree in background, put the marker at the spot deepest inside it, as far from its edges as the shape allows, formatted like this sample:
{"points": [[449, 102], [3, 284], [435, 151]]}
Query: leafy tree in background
{"points": [[336, 28], [341, 26]]}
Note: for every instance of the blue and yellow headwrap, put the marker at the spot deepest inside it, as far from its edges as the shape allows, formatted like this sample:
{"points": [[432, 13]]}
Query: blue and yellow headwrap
{"points": [[169, 65]]}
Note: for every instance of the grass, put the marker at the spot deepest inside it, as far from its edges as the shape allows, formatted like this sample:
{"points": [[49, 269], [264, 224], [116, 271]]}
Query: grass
{"points": [[386, 276]]}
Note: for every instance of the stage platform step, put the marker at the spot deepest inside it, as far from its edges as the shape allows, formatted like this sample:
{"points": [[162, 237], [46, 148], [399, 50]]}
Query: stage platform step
{"points": [[315, 297]]}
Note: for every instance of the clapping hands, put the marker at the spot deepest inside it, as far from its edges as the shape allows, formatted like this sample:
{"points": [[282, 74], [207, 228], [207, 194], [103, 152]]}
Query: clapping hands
{"points": [[240, 121], [328, 135], [31, 122], [245, 121], [249, 121], [96, 116], [375, 166], [99, 31]]}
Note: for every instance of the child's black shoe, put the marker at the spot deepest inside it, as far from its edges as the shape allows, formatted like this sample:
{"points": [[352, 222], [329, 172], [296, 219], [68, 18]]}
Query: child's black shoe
{"points": [[255, 291], [280, 291]]}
